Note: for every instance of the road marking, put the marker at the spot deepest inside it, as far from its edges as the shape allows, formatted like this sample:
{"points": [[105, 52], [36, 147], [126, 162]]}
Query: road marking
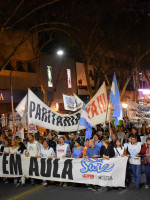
{"points": [[25, 193]]}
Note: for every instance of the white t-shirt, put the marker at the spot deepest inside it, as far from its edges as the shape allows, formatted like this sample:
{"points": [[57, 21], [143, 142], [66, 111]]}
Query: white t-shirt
{"points": [[34, 149], [49, 152], [133, 150], [119, 151], [6, 150], [61, 150], [13, 151]]}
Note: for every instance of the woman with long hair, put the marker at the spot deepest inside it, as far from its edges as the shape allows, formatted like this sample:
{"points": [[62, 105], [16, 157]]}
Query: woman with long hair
{"points": [[119, 149]]}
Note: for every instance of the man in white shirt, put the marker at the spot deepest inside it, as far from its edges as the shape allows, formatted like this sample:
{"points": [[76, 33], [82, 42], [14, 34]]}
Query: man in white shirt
{"points": [[63, 149], [33, 150], [134, 150]]}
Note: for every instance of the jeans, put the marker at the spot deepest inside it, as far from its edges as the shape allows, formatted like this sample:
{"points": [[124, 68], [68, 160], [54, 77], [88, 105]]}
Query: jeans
{"points": [[147, 170], [136, 170]]}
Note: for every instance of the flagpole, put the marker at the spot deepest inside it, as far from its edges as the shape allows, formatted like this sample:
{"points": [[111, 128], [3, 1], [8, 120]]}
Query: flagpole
{"points": [[27, 113], [106, 115], [109, 117]]}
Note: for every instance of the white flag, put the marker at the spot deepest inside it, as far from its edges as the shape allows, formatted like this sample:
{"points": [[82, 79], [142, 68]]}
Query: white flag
{"points": [[22, 110], [22, 106], [69, 102], [79, 102], [72, 103]]}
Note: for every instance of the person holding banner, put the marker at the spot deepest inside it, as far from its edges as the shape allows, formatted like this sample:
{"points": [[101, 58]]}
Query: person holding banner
{"points": [[98, 142], [119, 149], [93, 151], [7, 143], [107, 150], [62, 151], [46, 152], [51, 142], [33, 149], [14, 150], [77, 151], [134, 154]]}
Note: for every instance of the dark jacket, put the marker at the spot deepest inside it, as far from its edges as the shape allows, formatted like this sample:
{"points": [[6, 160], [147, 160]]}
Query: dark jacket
{"points": [[113, 143], [52, 144], [107, 152]]}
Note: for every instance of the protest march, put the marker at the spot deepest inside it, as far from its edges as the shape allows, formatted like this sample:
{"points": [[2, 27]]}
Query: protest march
{"points": [[83, 147]]}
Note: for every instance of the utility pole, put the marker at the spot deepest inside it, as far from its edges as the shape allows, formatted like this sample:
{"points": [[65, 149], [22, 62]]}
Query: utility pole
{"points": [[12, 103]]}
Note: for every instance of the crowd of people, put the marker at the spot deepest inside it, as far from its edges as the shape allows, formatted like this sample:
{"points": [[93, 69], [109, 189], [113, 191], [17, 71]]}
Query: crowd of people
{"points": [[130, 139]]}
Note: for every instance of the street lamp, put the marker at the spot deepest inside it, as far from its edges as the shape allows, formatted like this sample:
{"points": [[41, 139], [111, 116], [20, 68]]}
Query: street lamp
{"points": [[60, 52]]}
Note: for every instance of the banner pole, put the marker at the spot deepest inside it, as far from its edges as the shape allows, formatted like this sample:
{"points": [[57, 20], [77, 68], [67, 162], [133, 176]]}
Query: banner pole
{"points": [[109, 117], [27, 113]]}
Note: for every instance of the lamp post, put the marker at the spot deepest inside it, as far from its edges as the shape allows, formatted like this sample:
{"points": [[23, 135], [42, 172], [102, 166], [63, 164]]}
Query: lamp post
{"points": [[12, 103]]}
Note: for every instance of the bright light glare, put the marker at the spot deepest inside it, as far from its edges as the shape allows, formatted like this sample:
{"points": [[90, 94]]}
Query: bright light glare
{"points": [[124, 105], [145, 91], [60, 52]]}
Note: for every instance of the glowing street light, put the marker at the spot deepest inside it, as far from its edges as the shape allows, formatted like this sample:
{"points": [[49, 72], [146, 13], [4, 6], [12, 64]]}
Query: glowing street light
{"points": [[124, 105], [60, 52]]}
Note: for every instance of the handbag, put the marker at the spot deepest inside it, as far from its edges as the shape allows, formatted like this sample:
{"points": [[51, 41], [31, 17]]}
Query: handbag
{"points": [[144, 160]]}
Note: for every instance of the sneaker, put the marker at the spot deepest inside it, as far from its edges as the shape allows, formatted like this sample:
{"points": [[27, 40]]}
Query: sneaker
{"points": [[60, 184], [65, 185], [146, 187], [94, 189], [100, 189], [90, 187], [44, 183]]}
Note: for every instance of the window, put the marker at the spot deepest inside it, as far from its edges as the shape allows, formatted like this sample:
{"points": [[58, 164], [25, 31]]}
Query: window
{"points": [[29, 67], [8, 66], [19, 66], [69, 78], [49, 73]]}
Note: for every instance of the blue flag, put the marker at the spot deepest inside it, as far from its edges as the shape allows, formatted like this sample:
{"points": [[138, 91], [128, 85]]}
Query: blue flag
{"points": [[115, 100], [85, 121]]}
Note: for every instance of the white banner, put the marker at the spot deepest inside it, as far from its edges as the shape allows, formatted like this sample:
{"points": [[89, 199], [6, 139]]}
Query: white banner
{"points": [[41, 115], [88, 171], [137, 111], [97, 107]]}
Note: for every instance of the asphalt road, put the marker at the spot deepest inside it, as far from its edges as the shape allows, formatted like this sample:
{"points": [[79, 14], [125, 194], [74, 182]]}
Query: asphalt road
{"points": [[39, 192]]}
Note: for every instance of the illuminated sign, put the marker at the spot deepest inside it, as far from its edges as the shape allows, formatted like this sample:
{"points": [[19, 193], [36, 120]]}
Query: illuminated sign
{"points": [[69, 78], [1, 97], [49, 73]]}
